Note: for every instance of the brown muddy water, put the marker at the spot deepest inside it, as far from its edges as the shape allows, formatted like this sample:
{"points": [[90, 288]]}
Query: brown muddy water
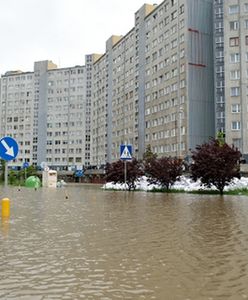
{"points": [[81, 242]]}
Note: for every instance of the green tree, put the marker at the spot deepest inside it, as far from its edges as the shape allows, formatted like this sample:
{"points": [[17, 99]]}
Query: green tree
{"points": [[149, 155], [17, 177], [221, 137], [148, 158], [2, 162], [215, 163]]}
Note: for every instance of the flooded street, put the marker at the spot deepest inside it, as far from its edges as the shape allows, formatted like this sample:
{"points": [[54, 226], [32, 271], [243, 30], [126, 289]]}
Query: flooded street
{"points": [[81, 242]]}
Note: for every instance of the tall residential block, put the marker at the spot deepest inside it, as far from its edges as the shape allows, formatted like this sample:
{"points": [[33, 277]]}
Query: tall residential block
{"points": [[175, 79], [48, 113], [236, 73], [17, 112], [156, 83]]}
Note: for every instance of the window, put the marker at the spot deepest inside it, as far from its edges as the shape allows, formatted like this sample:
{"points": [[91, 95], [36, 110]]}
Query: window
{"points": [[181, 23], [233, 9], [174, 15], [173, 2], [234, 25], [236, 125], [234, 42], [181, 38], [246, 24], [174, 58], [234, 57], [173, 43], [235, 74], [235, 91], [182, 83], [174, 72], [235, 108], [246, 40], [174, 87], [173, 29], [181, 9], [237, 143]]}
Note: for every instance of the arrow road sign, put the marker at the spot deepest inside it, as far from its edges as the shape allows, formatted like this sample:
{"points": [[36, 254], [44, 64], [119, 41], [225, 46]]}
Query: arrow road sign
{"points": [[8, 148], [125, 152], [25, 165]]}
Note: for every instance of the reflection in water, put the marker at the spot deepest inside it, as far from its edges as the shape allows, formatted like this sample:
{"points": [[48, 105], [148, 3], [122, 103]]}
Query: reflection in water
{"points": [[5, 226], [85, 243]]}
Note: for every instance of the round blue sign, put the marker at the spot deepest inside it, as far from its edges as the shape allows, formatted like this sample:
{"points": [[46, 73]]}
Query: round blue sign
{"points": [[8, 148], [25, 165]]}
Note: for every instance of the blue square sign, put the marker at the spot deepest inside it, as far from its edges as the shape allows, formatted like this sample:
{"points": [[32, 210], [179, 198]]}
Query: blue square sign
{"points": [[125, 152]]}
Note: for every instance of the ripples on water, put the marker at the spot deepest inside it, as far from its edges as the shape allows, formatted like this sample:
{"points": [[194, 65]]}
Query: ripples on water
{"points": [[116, 245]]}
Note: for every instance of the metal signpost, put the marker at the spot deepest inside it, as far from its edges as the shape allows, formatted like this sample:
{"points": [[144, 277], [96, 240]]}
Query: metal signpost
{"points": [[8, 151], [125, 154], [25, 166]]}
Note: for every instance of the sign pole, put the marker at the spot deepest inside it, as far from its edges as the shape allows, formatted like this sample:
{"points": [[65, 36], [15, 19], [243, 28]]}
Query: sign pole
{"points": [[6, 175], [125, 172], [8, 151], [125, 154]]}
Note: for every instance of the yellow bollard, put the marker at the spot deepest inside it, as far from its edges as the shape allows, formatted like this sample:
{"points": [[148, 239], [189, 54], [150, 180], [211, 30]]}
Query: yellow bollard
{"points": [[5, 207]]}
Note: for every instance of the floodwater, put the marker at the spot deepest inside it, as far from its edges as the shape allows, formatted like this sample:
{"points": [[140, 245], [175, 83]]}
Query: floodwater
{"points": [[81, 242]]}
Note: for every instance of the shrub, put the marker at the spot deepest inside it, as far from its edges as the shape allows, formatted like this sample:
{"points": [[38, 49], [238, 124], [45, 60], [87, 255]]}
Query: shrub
{"points": [[164, 171], [215, 163], [115, 172]]}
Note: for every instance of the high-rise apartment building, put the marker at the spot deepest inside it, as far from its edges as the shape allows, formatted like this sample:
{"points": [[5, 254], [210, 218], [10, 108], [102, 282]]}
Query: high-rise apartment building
{"points": [[156, 83], [175, 79], [99, 113], [236, 74], [17, 111], [48, 113], [231, 75]]}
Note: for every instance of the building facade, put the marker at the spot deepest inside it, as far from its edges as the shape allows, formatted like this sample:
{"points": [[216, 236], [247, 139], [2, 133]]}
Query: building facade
{"points": [[157, 83], [48, 113], [17, 112], [236, 74], [174, 80]]}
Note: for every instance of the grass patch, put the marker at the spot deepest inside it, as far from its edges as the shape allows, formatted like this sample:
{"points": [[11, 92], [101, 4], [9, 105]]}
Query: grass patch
{"points": [[238, 192], [161, 190]]}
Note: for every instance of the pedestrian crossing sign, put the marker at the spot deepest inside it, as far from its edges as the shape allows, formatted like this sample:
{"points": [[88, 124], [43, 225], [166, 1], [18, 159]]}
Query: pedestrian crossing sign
{"points": [[125, 152]]}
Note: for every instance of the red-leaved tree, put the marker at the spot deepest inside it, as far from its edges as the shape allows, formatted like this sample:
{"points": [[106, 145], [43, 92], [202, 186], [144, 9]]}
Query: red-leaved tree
{"points": [[215, 163], [164, 171], [115, 172]]}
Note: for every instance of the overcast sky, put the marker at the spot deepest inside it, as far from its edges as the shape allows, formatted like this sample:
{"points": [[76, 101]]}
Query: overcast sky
{"points": [[60, 30]]}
